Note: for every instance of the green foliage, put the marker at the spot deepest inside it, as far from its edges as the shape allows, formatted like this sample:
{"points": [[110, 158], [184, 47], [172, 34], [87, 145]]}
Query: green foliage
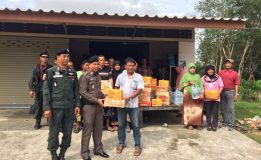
{"points": [[218, 44], [250, 90], [200, 69]]}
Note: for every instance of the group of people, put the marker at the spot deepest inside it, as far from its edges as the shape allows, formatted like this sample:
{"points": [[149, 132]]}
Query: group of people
{"points": [[217, 90], [66, 93], [61, 93]]}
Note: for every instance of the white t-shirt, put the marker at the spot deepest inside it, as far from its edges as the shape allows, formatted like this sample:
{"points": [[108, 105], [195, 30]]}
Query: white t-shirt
{"points": [[129, 85]]}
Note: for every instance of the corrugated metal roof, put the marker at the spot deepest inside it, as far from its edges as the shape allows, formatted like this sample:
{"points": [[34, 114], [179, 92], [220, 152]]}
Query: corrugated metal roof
{"points": [[127, 15]]}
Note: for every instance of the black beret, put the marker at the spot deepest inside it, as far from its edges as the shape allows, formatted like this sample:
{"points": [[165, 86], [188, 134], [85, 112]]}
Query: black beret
{"points": [[44, 53], [84, 61], [93, 59], [62, 51]]}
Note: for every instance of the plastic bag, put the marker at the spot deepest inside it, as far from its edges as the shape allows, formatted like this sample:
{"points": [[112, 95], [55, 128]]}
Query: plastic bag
{"points": [[177, 97], [195, 92]]}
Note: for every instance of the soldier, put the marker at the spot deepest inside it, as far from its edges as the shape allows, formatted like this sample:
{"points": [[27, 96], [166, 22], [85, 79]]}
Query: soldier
{"points": [[60, 102], [92, 111], [36, 86]]}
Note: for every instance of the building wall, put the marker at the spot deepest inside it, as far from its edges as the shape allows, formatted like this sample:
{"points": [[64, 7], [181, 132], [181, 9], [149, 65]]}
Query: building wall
{"points": [[18, 57], [186, 52]]}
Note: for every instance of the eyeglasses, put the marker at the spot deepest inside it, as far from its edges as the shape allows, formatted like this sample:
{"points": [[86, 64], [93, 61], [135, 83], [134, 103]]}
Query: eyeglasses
{"points": [[44, 56]]}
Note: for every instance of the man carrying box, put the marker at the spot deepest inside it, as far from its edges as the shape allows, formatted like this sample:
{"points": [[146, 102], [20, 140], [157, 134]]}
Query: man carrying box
{"points": [[131, 84], [92, 111]]}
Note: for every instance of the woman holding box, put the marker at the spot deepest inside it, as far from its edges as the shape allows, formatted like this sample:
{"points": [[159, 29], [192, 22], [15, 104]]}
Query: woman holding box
{"points": [[213, 86]]}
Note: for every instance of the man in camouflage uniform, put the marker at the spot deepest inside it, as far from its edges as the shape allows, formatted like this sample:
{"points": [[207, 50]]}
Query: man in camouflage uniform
{"points": [[61, 101]]}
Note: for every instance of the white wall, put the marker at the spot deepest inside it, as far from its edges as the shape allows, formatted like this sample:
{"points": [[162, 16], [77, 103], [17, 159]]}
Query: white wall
{"points": [[187, 52]]}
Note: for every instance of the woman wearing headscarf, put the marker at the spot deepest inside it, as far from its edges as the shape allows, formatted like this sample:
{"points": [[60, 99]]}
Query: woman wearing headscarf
{"points": [[114, 116], [192, 109], [213, 86]]}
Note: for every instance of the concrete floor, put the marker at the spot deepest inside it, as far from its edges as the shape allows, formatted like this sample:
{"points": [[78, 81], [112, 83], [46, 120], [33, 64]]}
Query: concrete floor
{"points": [[18, 140]]}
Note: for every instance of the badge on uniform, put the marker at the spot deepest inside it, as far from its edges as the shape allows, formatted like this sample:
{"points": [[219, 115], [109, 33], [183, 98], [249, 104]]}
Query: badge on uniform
{"points": [[71, 75], [57, 74], [44, 77]]}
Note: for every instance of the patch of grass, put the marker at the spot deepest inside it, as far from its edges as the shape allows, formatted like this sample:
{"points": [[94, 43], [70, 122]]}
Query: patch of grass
{"points": [[245, 109], [255, 136]]}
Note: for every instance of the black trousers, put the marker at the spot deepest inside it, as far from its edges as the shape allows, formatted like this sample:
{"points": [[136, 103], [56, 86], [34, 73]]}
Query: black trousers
{"points": [[61, 118], [212, 113], [38, 105]]}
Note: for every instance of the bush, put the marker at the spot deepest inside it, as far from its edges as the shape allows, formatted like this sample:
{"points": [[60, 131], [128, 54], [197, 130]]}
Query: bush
{"points": [[250, 90]]}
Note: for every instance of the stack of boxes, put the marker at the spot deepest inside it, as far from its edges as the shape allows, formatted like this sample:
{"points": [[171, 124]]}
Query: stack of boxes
{"points": [[163, 92], [114, 98], [145, 96], [155, 95]]}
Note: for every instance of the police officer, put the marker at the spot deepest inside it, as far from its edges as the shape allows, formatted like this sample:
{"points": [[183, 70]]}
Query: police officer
{"points": [[92, 111], [36, 86], [60, 102]]}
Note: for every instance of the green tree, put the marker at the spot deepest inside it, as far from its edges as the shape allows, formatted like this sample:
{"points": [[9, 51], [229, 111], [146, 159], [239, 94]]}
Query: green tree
{"points": [[241, 45]]}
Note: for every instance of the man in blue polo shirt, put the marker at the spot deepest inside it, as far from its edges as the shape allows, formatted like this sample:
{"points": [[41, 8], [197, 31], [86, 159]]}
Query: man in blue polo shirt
{"points": [[131, 84]]}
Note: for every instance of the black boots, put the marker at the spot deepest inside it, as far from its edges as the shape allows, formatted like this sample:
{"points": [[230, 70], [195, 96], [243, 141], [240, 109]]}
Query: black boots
{"points": [[37, 124], [62, 153], [54, 155]]}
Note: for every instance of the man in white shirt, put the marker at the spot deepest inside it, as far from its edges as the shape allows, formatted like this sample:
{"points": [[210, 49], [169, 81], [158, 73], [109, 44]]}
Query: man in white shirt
{"points": [[131, 84]]}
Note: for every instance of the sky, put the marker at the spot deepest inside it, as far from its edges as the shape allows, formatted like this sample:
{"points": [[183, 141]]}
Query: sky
{"points": [[131, 7]]}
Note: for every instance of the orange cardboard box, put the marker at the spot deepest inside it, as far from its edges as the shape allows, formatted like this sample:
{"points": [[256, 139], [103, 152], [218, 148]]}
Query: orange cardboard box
{"points": [[147, 89], [164, 83], [147, 80], [145, 104], [114, 103], [154, 82], [144, 98], [115, 94], [153, 88], [156, 102], [162, 88]]}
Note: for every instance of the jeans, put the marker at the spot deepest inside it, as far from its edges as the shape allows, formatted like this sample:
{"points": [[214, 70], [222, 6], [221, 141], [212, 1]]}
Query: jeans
{"points": [[227, 107], [122, 118]]}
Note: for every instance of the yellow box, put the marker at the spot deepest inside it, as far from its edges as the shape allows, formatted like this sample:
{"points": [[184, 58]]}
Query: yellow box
{"points": [[105, 86], [156, 102], [165, 97], [147, 81], [114, 103], [154, 82], [164, 83], [165, 103], [163, 88], [115, 94], [163, 93], [147, 89]]}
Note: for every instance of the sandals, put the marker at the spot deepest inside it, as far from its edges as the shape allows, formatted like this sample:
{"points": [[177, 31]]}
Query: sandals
{"points": [[137, 151], [120, 148]]}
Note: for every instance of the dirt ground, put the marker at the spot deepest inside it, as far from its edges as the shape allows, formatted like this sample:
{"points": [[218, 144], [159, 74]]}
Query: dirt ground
{"points": [[18, 140]]}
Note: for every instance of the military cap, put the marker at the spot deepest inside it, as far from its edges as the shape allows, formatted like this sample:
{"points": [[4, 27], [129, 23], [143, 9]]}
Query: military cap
{"points": [[62, 51], [44, 53], [93, 59]]}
